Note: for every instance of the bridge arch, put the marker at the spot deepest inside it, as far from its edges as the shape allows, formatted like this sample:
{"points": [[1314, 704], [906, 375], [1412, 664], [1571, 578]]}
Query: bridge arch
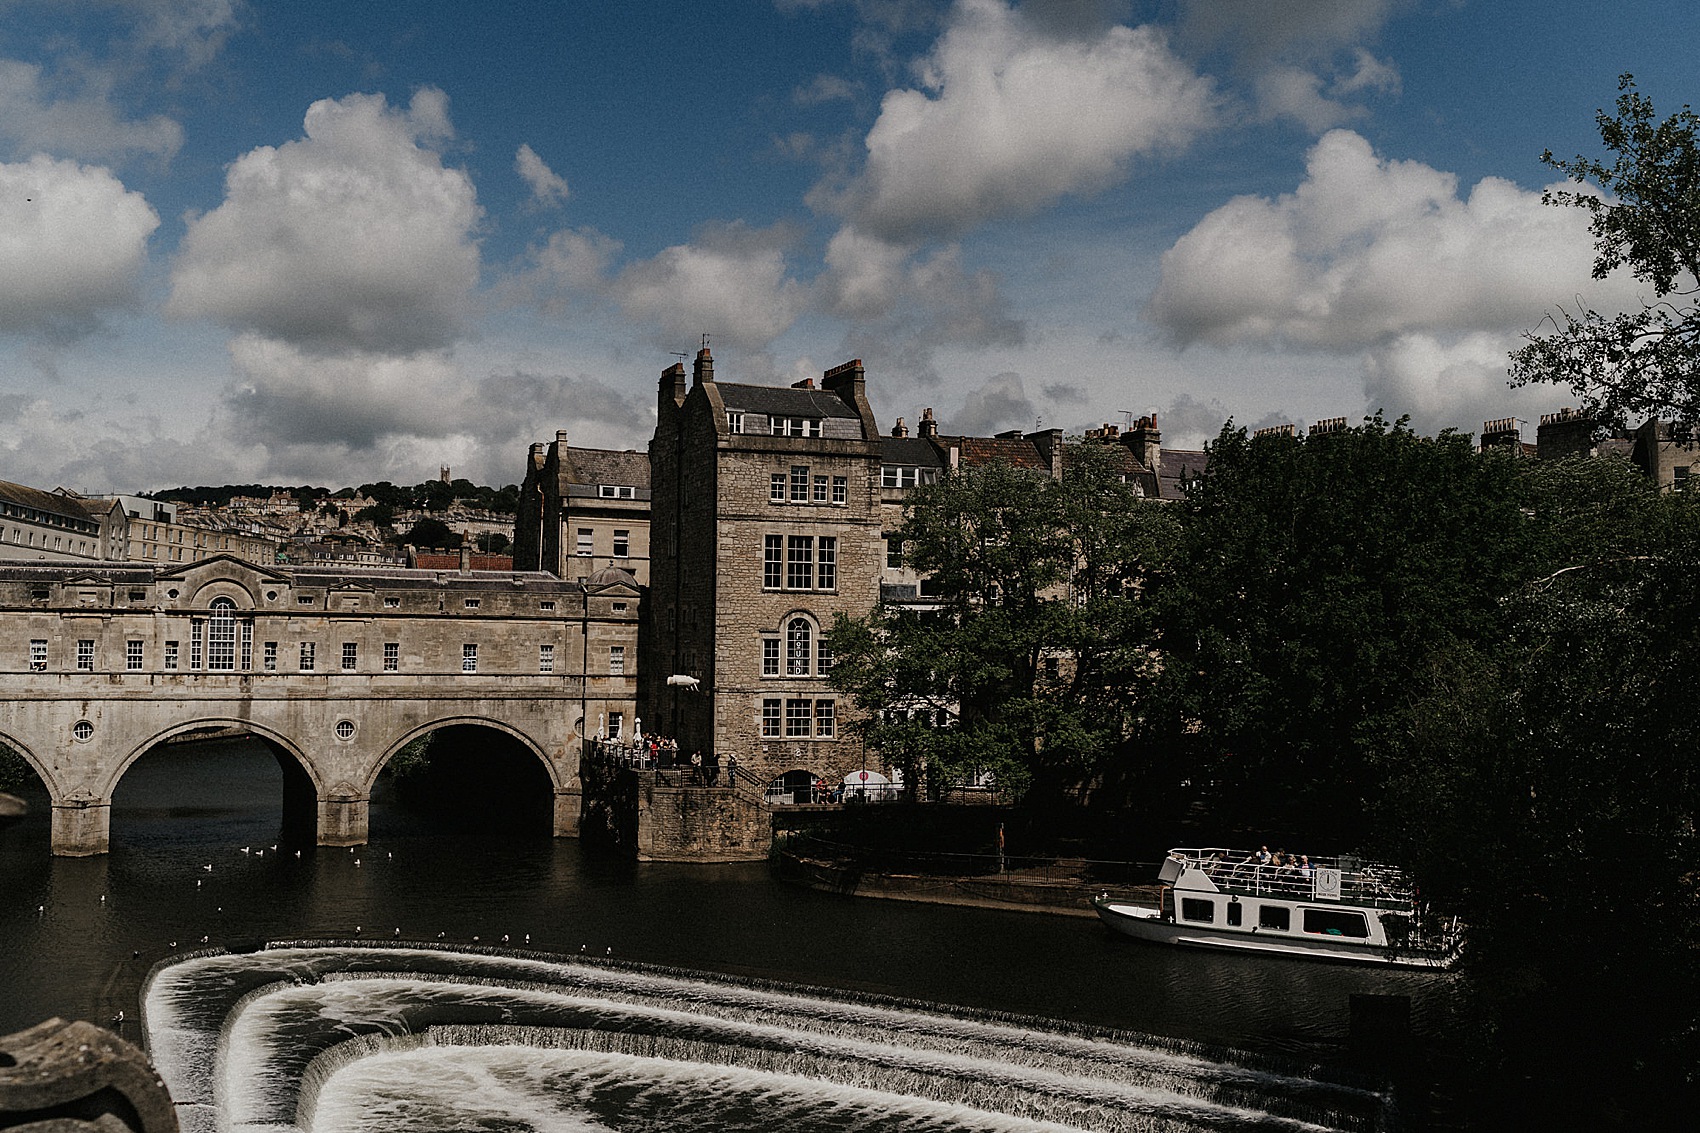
{"points": [[35, 762], [201, 723], [438, 724]]}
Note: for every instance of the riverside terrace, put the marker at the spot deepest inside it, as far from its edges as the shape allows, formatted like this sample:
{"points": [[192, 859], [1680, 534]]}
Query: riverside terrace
{"points": [[335, 670]]}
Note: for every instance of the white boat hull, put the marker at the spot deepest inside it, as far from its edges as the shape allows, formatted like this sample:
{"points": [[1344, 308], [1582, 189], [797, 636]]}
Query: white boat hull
{"points": [[1143, 922]]}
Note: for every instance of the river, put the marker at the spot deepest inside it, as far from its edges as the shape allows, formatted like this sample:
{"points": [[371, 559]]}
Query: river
{"points": [[192, 866]]}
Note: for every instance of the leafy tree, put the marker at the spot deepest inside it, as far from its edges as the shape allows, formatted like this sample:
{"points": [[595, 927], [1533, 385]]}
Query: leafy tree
{"points": [[1545, 790], [1031, 650], [493, 542], [381, 515], [1647, 362], [1314, 578], [430, 532]]}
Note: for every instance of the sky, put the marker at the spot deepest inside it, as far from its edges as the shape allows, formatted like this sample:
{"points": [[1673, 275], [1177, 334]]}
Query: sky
{"points": [[320, 242]]}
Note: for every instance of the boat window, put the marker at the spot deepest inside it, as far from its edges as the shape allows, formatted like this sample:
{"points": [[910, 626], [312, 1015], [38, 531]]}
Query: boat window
{"points": [[1274, 916], [1234, 912], [1333, 922], [1193, 909]]}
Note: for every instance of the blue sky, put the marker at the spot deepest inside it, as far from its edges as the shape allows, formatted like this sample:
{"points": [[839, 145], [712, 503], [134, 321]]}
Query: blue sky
{"points": [[315, 242]]}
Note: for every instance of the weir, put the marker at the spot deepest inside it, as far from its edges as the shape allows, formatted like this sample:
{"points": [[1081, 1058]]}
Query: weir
{"points": [[306, 1037]]}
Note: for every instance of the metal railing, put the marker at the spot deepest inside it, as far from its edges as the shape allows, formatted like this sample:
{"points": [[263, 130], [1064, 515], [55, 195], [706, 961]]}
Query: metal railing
{"points": [[1344, 878]]}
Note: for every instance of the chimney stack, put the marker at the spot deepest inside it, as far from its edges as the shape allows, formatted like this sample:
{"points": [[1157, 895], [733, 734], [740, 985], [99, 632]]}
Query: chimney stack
{"points": [[900, 429], [703, 371], [929, 425]]}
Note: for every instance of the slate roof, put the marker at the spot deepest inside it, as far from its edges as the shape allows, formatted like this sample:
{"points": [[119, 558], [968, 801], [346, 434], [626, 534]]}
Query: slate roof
{"points": [[605, 466], [917, 451], [49, 502], [783, 401], [1179, 465]]}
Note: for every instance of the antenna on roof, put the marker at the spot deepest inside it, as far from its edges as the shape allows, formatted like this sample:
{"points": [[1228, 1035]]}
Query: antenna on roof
{"points": [[705, 340], [680, 355], [1128, 414], [1038, 421]]}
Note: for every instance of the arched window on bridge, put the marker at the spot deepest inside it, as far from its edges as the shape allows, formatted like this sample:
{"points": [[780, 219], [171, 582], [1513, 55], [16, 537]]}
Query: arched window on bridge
{"points": [[223, 631], [221, 635]]}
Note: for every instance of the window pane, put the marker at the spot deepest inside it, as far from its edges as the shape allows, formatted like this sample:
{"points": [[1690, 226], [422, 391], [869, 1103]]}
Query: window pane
{"points": [[797, 718], [828, 576], [820, 489], [840, 489], [770, 717], [799, 484], [825, 722], [469, 658], [770, 656], [797, 639], [776, 488], [773, 548], [799, 565]]}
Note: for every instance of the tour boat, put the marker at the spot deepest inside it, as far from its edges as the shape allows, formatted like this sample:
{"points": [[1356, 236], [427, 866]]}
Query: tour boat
{"points": [[1342, 908]]}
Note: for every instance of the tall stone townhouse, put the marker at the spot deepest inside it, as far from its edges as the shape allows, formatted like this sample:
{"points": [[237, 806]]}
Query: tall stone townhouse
{"points": [[758, 514]]}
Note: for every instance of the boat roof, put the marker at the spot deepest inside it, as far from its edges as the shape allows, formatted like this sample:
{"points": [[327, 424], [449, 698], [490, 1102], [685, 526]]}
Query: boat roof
{"points": [[1354, 880]]}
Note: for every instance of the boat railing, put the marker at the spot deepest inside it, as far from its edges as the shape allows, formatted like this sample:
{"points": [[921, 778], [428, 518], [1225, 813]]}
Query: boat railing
{"points": [[1347, 879]]}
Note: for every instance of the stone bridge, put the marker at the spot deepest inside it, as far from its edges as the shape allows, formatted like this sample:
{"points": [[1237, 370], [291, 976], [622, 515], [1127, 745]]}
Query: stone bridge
{"points": [[336, 670]]}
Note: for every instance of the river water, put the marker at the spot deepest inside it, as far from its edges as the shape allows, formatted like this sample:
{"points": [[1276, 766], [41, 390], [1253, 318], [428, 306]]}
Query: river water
{"points": [[527, 954]]}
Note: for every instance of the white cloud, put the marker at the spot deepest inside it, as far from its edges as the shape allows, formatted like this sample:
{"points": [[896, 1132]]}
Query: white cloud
{"points": [[36, 116], [1303, 59], [1367, 249], [548, 188], [1010, 119], [1450, 384], [731, 281], [998, 403], [72, 239], [354, 237]]}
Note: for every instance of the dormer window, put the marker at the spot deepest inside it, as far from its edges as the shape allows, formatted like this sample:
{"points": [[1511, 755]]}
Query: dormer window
{"points": [[734, 421], [796, 426]]}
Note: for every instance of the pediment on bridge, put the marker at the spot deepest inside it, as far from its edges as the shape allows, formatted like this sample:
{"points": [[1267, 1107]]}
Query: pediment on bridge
{"points": [[223, 574]]}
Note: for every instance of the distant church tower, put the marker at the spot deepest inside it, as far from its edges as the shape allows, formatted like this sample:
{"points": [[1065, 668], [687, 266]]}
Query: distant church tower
{"points": [[444, 474]]}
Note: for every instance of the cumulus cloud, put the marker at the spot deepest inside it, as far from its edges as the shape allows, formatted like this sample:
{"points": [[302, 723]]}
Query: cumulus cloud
{"points": [[367, 409], [1449, 384], [76, 119], [999, 403], [731, 280], [72, 239], [1367, 249], [997, 127], [1303, 59], [354, 237], [547, 187]]}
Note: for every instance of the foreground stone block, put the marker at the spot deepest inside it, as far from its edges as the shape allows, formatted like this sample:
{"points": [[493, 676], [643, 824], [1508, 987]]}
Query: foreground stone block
{"points": [[77, 1077]]}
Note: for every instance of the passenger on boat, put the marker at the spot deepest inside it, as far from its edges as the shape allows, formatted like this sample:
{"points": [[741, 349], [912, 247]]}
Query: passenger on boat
{"points": [[1262, 856]]}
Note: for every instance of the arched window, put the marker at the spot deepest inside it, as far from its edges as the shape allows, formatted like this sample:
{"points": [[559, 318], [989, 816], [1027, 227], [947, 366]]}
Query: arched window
{"points": [[799, 636], [221, 635]]}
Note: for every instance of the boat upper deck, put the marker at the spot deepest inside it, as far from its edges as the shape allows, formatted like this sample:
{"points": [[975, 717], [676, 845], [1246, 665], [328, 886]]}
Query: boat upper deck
{"points": [[1347, 879]]}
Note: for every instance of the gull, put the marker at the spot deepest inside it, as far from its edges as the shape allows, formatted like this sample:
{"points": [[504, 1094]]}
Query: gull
{"points": [[244, 849], [103, 898], [439, 936], [203, 940], [528, 938], [357, 863], [207, 867], [398, 932], [504, 938], [197, 883], [297, 853]]}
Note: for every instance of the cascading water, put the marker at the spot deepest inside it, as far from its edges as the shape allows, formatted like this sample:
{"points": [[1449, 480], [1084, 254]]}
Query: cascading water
{"points": [[364, 1038]]}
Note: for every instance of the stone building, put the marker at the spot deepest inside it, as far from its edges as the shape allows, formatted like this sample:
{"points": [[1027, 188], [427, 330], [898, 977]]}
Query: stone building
{"points": [[61, 526], [582, 510], [760, 513], [337, 669], [765, 524]]}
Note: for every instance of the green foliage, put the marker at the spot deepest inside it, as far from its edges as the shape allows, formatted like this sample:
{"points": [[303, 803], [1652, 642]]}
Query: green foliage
{"points": [[493, 542], [1645, 362], [1546, 790], [430, 532], [1031, 650], [1315, 577], [412, 760]]}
